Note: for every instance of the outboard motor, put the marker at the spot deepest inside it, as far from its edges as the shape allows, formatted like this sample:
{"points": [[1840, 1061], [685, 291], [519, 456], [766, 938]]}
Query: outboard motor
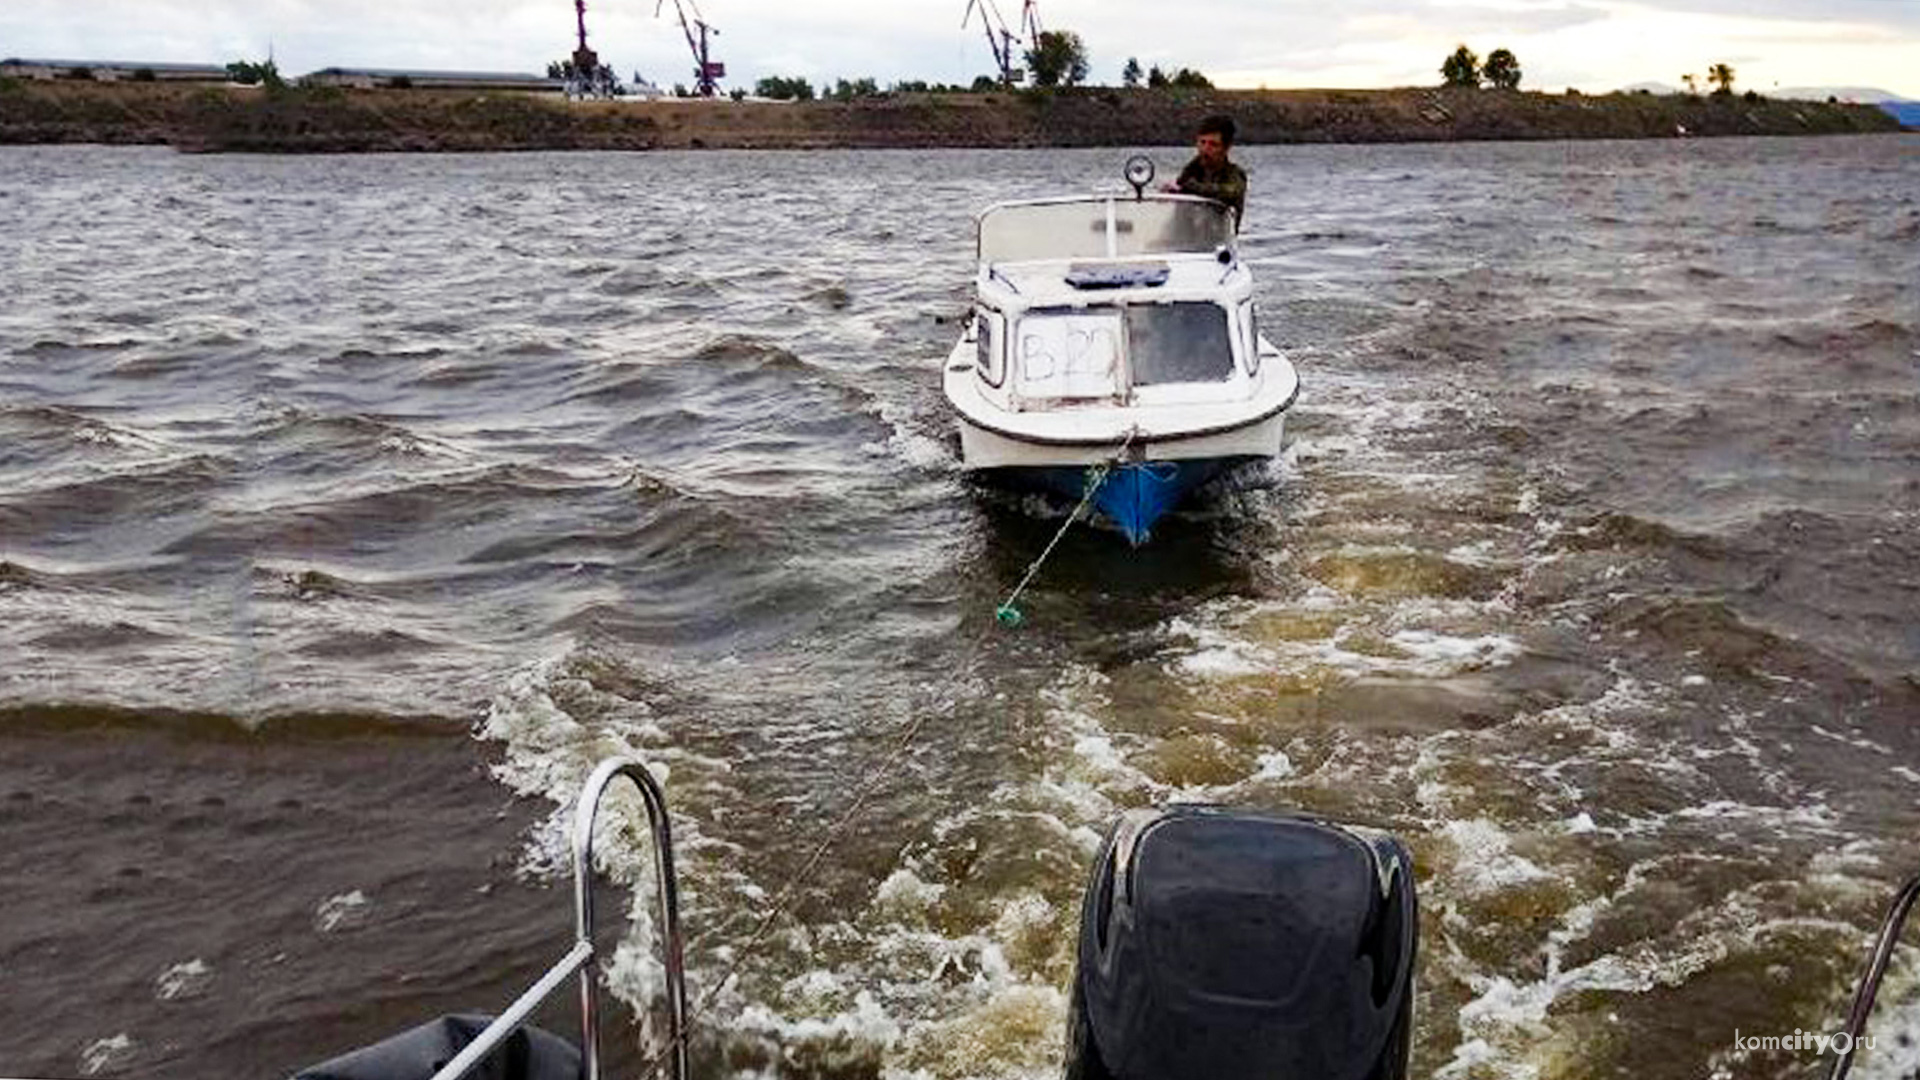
{"points": [[1220, 944]]}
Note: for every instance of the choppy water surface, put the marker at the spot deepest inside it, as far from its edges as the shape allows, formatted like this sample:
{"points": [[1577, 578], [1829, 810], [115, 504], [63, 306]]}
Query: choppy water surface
{"points": [[1591, 568]]}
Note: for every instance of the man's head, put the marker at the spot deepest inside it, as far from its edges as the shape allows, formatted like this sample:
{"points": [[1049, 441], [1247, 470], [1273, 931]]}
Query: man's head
{"points": [[1214, 139]]}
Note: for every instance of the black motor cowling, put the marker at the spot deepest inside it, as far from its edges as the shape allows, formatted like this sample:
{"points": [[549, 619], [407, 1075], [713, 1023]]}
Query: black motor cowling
{"points": [[1221, 944]]}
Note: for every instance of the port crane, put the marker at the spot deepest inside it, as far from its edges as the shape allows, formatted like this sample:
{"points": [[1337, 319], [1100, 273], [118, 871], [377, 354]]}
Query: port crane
{"points": [[1001, 38], [706, 70], [585, 61], [587, 77]]}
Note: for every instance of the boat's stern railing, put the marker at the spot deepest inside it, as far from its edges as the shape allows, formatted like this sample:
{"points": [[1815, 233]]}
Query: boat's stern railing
{"points": [[581, 960], [1883, 946]]}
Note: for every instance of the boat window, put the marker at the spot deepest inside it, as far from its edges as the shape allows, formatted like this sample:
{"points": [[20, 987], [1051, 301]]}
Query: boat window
{"points": [[988, 330], [1252, 322], [1069, 355], [1179, 343], [1172, 227], [1078, 229]]}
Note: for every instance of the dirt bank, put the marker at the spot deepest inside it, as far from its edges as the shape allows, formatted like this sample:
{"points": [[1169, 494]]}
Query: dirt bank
{"points": [[332, 120]]}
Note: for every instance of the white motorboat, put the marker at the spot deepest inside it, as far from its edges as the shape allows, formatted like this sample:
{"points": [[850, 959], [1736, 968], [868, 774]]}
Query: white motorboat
{"points": [[1115, 330]]}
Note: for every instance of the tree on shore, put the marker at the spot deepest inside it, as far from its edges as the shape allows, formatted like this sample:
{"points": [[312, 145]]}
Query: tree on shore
{"points": [[600, 82], [1692, 81], [1130, 75], [1058, 58], [1188, 79], [1502, 70], [783, 88], [1462, 68], [247, 73], [1722, 76], [862, 87]]}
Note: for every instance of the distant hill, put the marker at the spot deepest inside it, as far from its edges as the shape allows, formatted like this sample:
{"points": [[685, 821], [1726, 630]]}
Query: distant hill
{"points": [[1902, 109], [1865, 95], [1907, 112]]}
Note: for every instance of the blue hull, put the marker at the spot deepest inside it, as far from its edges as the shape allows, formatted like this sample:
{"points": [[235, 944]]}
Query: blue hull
{"points": [[1135, 495]]}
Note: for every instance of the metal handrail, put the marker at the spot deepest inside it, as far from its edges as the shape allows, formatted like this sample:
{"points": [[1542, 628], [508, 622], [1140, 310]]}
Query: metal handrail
{"points": [[1883, 946], [582, 956]]}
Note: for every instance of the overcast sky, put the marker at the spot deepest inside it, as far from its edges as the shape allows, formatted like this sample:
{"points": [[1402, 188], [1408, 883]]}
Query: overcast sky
{"points": [[1593, 45]]}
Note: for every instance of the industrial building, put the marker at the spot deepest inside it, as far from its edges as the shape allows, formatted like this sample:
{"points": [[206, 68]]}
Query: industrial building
{"points": [[394, 78], [112, 70]]}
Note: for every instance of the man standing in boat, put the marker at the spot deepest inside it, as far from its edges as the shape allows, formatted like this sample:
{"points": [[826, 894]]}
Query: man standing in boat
{"points": [[1210, 175]]}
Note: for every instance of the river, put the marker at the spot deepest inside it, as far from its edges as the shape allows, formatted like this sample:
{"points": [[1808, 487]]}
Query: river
{"points": [[351, 507]]}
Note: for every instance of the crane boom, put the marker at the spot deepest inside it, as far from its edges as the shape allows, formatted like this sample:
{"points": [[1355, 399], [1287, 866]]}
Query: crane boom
{"points": [[1030, 22], [706, 70], [999, 38]]}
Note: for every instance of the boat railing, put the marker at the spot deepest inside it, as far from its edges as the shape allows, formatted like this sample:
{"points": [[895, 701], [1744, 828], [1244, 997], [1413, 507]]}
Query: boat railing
{"points": [[581, 961], [1883, 946]]}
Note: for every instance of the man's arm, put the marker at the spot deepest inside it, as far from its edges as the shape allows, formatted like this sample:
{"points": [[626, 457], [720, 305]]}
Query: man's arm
{"points": [[1232, 189]]}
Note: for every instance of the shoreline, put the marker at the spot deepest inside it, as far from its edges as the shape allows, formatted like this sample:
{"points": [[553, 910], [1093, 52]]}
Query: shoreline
{"points": [[230, 119]]}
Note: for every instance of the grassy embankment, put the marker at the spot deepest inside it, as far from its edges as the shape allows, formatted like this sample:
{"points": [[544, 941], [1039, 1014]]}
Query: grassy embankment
{"points": [[331, 120]]}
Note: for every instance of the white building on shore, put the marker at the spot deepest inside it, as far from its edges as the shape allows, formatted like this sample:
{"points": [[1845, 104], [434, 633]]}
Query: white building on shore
{"points": [[112, 71], [396, 78]]}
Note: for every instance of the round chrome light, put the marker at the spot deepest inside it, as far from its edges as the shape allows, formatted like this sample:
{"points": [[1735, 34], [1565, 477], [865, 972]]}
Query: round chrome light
{"points": [[1139, 172]]}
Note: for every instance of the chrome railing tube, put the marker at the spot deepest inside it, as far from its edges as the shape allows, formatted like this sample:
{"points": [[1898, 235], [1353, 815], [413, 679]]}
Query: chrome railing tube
{"points": [[1863, 996], [671, 944], [577, 959]]}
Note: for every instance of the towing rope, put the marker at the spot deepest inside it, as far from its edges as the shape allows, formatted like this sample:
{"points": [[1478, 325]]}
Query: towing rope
{"points": [[1006, 614], [1010, 615]]}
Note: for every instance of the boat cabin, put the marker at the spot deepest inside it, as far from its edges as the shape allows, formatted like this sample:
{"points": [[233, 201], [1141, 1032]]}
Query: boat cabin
{"points": [[1112, 301]]}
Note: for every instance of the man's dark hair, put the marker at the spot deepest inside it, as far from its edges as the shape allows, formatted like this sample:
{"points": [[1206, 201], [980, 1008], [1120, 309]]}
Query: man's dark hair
{"points": [[1219, 124]]}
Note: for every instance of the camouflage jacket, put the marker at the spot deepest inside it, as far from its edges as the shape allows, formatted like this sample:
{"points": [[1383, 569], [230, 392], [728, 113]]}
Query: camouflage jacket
{"points": [[1227, 184]]}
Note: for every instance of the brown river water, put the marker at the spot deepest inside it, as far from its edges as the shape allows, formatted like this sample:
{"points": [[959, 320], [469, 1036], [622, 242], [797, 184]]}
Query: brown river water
{"points": [[350, 508]]}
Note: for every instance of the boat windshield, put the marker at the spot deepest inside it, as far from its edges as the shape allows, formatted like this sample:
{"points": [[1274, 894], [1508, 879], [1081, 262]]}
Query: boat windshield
{"points": [[1080, 229], [1179, 343]]}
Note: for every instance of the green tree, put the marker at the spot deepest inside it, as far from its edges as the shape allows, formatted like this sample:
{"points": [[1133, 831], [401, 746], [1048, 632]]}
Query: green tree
{"points": [[863, 87], [784, 88], [1462, 68], [1130, 75], [1692, 81], [247, 73], [1156, 79], [1059, 58], [1721, 75], [985, 84], [1189, 79], [1502, 70]]}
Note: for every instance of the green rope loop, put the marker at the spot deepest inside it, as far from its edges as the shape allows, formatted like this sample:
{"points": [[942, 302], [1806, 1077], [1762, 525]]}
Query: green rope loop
{"points": [[1007, 613]]}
